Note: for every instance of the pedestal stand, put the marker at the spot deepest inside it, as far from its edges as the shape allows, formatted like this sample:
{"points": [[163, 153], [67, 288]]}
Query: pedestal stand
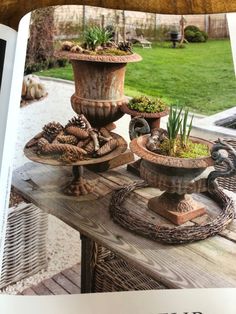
{"points": [[79, 185]]}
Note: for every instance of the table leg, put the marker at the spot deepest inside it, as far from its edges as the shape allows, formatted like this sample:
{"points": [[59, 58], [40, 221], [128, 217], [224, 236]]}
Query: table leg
{"points": [[86, 264]]}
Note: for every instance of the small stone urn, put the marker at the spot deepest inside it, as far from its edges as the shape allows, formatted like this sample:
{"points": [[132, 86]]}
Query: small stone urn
{"points": [[178, 177], [153, 119], [99, 85]]}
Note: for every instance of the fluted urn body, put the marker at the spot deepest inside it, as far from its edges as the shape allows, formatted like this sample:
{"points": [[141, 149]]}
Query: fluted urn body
{"points": [[99, 85]]}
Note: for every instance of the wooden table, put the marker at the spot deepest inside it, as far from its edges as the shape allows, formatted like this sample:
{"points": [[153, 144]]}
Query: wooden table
{"points": [[204, 264]]}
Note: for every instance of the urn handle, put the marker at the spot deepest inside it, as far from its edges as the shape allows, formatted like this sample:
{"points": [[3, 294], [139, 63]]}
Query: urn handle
{"points": [[138, 126], [223, 154]]}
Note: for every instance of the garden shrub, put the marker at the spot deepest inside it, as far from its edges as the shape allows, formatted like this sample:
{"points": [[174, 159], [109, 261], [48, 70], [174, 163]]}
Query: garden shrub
{"points": [[205, 35], [193, 34], [198, 38], [189, 35], [192, 28], [62, 62]]}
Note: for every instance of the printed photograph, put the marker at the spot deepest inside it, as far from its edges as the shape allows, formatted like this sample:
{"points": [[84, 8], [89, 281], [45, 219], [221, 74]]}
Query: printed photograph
{"points": [[124, 166]]}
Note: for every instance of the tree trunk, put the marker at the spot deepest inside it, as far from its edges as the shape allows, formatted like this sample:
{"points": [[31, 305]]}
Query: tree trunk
{"points": [[40, 44]]}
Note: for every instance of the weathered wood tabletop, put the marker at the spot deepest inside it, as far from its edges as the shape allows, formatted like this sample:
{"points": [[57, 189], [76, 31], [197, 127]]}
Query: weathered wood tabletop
{"points": [[204, 264]]}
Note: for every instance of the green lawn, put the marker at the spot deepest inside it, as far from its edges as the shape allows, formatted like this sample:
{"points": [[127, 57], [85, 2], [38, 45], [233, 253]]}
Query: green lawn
{"points": [[200, 76]]}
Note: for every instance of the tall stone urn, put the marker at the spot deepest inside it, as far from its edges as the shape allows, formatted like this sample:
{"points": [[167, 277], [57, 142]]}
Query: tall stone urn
{"points": [[99, 85]]}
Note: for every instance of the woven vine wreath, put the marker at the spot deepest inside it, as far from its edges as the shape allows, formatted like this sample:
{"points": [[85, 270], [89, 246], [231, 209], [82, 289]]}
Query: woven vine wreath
{"points": [[172, 235], [186, 234]]}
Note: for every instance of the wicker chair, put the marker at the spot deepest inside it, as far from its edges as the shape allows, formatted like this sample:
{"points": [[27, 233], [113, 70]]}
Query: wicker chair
{"points": [[25, 244], [108, 266]]}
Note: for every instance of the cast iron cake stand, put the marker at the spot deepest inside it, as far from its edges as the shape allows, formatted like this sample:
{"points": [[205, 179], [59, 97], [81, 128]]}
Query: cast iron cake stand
{"points": [[79, 185]]}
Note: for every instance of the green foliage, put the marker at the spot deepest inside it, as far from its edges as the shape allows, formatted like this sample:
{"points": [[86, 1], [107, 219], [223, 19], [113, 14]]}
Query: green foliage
{"points": [[95, 36], [62, 62], [185, 129], [173, 127], [189, 35], [192, 28], [205, 35], [194, 150], [178, 125], [198, 38], [191, 150], [147, 104], [174, 123], [194, 34], [45, 65], [179, 145]]}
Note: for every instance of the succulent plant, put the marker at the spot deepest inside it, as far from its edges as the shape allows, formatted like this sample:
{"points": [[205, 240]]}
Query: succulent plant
{"points": [[95, 36]]}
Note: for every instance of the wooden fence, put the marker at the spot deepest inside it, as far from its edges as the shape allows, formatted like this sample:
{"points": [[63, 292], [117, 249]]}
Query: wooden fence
{"points": [[71, 20]]}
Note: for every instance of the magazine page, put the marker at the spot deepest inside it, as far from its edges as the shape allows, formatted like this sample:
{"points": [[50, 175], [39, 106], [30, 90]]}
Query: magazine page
{"points": [[197, 301], [123, 174]]}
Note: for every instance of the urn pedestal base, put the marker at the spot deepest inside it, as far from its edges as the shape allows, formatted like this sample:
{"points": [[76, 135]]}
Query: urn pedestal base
{"points": [[176, 208], [79, 185]]}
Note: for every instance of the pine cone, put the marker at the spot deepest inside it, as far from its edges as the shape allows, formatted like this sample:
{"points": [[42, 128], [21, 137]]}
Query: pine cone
{"points": [[77, 121], [107, 148], [42, 143], [67, 139], [89, 148], [76, 48], [47, 148], [51, 130], [83, 143], [105, 133], [69, 157], [125, 46], [78, 132], [67, 45]]}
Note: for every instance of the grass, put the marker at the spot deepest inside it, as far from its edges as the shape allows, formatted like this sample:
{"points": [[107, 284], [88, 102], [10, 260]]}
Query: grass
{"points": [[201, 76]]}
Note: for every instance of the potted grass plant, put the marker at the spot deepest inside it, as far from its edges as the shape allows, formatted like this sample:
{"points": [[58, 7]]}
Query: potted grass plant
{"points": [[176, 163], [99, 72]]}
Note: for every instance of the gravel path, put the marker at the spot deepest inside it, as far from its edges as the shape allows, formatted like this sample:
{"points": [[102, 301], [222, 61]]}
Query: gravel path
{"points": [[55, 107]]}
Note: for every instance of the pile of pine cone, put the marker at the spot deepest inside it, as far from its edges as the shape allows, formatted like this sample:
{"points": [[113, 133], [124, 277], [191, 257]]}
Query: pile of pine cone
{"points": [[76, 141], [157, 137]]}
